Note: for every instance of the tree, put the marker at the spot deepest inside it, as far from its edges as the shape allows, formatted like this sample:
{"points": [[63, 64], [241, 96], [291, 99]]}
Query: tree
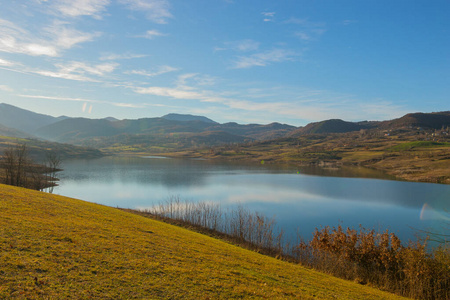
{"points": [[21, 170], [53, 163], [15, 163]]}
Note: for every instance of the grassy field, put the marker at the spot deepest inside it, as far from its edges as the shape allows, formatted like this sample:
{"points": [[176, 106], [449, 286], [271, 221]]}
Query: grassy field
{"points": [[54, 247], [398, 154]]}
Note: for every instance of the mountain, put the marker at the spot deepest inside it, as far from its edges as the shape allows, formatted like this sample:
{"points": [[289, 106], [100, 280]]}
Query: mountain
{"points": [[11, 132], [23, 120], [255, 131], [69, 130], [435, 120], [332, 126], [184, 118], [178, 131], [77, 129]]}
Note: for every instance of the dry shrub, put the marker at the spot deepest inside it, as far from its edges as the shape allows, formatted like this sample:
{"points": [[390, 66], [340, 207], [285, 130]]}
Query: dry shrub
{"points": [[380, 260]]}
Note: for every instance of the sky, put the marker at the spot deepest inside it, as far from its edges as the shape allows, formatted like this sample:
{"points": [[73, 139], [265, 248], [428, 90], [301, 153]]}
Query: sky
{"points": [[244, 61]]}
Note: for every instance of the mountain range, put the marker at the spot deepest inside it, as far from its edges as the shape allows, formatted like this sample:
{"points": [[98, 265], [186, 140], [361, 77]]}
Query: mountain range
{"points": [[182, 130]]}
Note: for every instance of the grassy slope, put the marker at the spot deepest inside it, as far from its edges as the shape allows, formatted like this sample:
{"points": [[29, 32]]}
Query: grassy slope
{"points": [[398, 155], [55, 247]]}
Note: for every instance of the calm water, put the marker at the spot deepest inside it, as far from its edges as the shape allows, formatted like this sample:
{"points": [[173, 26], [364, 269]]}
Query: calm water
{"points": [[300, 199]]}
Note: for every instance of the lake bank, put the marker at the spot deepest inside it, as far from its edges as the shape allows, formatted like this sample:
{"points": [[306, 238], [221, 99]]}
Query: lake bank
{"points": [[298, 199], [57, 247], [417, 164]]}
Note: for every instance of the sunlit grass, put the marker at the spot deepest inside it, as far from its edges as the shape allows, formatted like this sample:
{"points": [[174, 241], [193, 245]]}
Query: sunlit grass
{"points": [[54, 247]]}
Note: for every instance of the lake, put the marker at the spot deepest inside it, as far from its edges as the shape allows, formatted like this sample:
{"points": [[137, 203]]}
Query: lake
{"points": [[298, 199]]}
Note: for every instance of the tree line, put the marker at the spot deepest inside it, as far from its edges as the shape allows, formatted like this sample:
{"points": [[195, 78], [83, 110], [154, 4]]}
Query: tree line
{"points": [[19, 169]]}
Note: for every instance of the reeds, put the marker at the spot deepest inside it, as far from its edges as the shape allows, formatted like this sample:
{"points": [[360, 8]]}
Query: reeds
{"points": [[363, 255]]}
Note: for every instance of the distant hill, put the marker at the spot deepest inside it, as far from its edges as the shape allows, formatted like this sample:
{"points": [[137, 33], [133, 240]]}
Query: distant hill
{"points": [[331, 126], [24, 120], [11, 132], [80, 130], [69, 130], [179, 131], [181, 117], [111, 119], [435, 120], [38, 149]]}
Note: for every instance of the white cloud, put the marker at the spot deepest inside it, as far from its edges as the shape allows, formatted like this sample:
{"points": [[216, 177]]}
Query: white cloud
{"points": [[58, 98], [307, 30], [241, 45], [155, 10], [150, 34], [66, 38], [78, 71], [84, 100], [78, 8], [169, 92], [14, 39], [6, 63], [128, 105], [268, 16], [6, 88], [63, 75], [161, 70], [303, 35], [112, 56], [348, 22], [82, 68], [263, 58]]}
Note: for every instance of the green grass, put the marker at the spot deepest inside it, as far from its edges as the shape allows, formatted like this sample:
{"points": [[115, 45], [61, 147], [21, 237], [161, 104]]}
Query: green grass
{"points": [[52, 247], [418, 144]]}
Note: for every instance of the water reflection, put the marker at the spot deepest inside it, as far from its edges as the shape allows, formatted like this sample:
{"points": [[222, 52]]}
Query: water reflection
{"points": [[296, 200]]}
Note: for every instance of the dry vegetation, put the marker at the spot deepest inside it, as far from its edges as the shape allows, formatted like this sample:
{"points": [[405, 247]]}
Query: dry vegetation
{"points": [[365, 256], [404, 153], [54, 247]]}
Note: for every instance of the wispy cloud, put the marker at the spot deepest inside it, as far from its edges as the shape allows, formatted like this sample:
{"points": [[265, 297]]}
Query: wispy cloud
{"points": [[159, 71], [307, 30], [155, 10], [263, 59], [268, 16], [258, 105], [187, 80], [111, 56], [241, 45], [169, 92], [6, 88], [82, 68], [6, 63], [78, 71], [151, 34], [348, 22], [14, 39], [57, 37], [61, 98], [66, 38], [78, 8], [84, 100]]}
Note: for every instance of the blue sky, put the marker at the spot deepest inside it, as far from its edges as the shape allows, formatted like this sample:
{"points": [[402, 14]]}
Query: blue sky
{"points": [[247, 61]]}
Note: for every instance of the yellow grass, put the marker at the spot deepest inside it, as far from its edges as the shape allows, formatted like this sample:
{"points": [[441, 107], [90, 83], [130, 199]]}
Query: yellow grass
{"points": [[52, 247]]}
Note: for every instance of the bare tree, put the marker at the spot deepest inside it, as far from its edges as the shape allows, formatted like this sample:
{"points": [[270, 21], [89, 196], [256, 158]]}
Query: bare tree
{"points": [[15, 164], [20, 170], [53, 164]]}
